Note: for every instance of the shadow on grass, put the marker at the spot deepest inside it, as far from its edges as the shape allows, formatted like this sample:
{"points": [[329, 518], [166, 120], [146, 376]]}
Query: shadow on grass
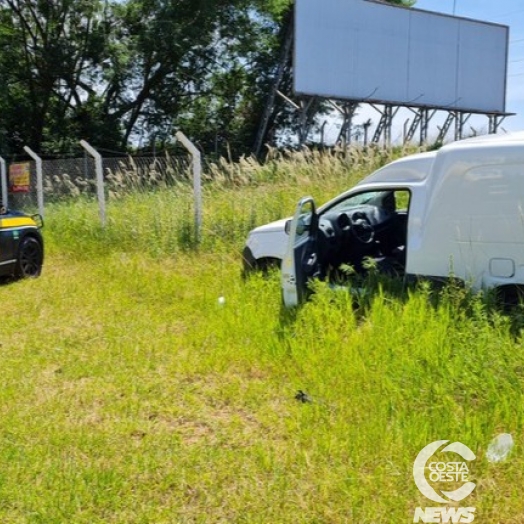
{"points": [[451, 293], [8, 280]]}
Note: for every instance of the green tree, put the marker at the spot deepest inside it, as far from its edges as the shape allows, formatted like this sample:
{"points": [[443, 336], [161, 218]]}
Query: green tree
{"points": [[48, 57], [129, 72], [196, 65]]}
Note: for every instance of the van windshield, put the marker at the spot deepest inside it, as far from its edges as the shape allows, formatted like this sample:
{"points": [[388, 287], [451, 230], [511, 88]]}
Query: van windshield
{"points": [[373, 198]]}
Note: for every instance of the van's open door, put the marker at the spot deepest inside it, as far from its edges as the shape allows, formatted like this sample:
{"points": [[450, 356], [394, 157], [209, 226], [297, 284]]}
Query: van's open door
{"points": [[301, 260]]}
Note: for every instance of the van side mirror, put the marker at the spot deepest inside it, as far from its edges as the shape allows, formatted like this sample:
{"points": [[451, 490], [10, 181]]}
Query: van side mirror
{"points": [[302, 227]]}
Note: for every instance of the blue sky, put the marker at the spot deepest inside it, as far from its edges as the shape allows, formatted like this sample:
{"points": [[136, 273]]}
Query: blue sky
{"points": [[506, 12]]}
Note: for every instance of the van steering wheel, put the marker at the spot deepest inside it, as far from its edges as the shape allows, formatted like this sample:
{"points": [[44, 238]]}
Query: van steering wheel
{"points": [[362, 228]]}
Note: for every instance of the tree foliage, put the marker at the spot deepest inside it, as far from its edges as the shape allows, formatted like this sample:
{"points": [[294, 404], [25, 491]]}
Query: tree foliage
{"points": [[127, 73]]}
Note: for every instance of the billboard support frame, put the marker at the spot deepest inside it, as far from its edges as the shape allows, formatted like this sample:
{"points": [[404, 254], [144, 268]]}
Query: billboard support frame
{"points": [[385, 123], [303, 108], [495, 122], [305, 119], [443, 130], [423, 117], [460, 122], [347, 111], [269, 108]]}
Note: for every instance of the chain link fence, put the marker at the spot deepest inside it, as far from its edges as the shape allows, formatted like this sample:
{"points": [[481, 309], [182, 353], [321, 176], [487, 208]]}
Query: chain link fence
{"points": [[236, 196], [66, 178]]}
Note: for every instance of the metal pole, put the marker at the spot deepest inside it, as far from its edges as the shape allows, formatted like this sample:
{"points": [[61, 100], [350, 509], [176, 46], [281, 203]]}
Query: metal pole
{"points": [[39, 179], [3, 176], [279, 75], [99, 180], [322, 131], [405, 132], [197, 180]]}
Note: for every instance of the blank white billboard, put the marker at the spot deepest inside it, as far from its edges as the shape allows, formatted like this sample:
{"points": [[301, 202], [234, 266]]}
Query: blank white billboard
{"points": [[364, 50]]}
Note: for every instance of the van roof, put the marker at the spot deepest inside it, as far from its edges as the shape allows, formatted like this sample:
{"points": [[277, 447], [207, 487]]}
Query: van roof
{"points": [[486, 140], [417, 167], [412, 168]]}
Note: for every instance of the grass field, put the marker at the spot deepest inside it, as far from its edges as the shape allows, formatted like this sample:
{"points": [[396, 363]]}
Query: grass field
{"points": [[130, 395]]}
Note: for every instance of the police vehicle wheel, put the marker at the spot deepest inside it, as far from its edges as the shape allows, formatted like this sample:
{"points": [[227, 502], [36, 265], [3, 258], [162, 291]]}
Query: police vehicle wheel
{"points": [[30, 258]]}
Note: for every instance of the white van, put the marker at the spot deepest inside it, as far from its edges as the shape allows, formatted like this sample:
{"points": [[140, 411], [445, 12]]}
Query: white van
{"points": [[457, 211]]}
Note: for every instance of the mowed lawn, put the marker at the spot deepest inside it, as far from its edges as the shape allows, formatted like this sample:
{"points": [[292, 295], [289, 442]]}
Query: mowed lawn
{"points": [[129, 394]]}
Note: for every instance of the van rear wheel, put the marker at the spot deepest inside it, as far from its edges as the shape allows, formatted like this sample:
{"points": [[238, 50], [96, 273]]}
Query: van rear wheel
{"points": [[509, 297]]}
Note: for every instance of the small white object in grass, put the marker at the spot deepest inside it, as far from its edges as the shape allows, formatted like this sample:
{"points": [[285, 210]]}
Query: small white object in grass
{"points": [[221, 300], [500, 447]]}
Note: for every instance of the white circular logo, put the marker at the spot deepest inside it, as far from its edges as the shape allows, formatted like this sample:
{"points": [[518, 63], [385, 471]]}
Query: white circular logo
{"points": [[443, 471]]}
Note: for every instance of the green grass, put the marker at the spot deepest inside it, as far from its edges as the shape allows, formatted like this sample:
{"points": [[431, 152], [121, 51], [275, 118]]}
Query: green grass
{"points": [[130, 395]]}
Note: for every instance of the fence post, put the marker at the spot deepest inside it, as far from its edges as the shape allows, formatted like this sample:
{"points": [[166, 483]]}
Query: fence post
{"points": [[39, 179], [3, 183], [197, 181], [99, 180]]}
